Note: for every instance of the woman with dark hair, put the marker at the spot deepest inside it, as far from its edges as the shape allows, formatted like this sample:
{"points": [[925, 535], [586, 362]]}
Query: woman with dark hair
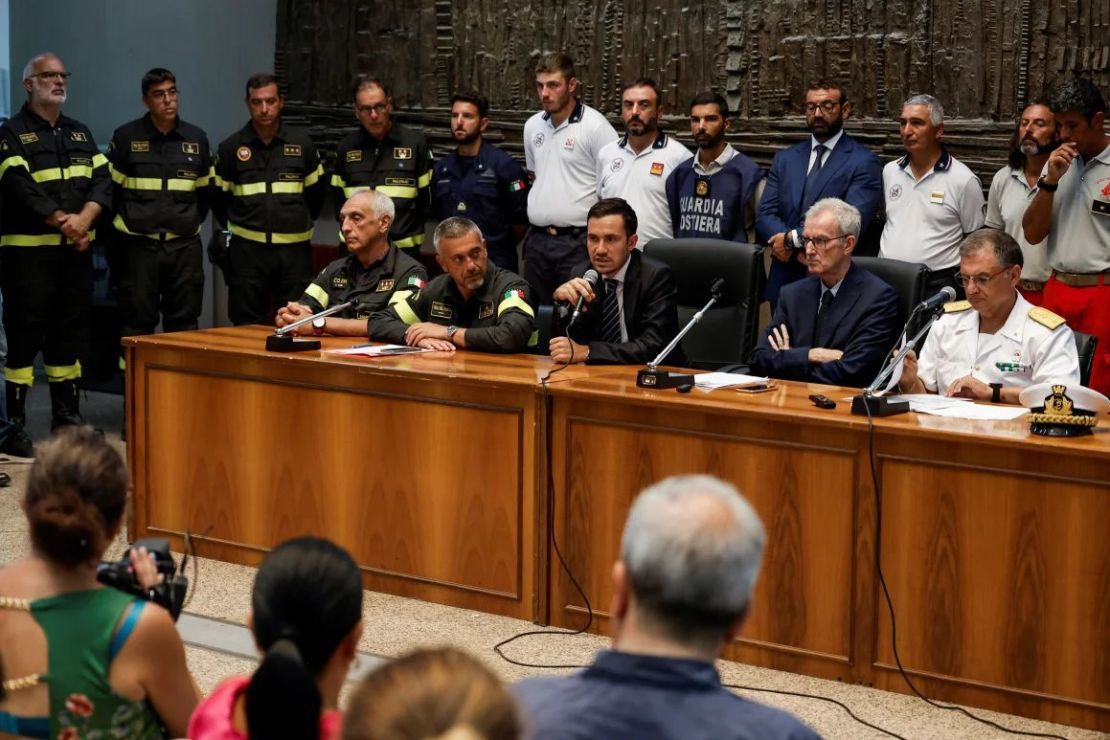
{"points": [[438, 693], [306, 616], [82, 659]]}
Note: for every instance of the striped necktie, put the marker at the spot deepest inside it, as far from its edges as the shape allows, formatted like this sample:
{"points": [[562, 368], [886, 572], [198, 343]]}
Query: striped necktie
{"points": [[611, 315]]}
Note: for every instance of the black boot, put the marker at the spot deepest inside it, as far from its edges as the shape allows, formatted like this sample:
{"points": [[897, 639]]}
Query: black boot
{"points": [[65, 406], [18, 441]]}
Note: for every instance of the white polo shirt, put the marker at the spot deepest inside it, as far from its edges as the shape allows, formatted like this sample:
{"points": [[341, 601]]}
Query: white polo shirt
{"points": [[641, 179], [927, 219], [564, 160], [1010, 195], [1079, 240]]}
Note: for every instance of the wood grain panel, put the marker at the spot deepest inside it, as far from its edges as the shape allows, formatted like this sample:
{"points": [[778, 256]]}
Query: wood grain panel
{"points": [[992, 577]]}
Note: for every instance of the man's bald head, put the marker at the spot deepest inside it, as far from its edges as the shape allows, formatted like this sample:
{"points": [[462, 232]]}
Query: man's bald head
{"points": [[364, 221]]}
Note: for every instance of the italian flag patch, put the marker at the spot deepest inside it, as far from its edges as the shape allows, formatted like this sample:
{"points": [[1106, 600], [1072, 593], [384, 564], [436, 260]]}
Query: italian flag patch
{"points": [[415, 280], [516, 186], [513, 294]]}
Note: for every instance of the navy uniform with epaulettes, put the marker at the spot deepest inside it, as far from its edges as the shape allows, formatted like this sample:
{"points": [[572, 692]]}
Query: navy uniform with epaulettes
{"points": [[270, 195], [162, 194], [46, 282]]}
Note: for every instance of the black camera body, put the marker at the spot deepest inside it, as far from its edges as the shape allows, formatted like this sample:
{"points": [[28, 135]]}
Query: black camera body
{"points": [[170, 593]]}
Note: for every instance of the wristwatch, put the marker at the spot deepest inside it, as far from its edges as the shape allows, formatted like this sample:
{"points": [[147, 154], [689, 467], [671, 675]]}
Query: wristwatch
{"points": [[319, 324], [1045, 185], [996, 392], [451, 332]]}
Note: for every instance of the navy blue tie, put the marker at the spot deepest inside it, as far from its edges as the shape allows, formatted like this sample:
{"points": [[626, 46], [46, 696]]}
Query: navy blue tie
{"points": [[815, 171], [611, 316], [826, 300]]}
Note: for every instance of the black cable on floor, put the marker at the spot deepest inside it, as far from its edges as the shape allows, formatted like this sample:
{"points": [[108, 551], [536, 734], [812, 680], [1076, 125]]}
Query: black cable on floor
{"points": [[890, 602], [840, 704]]}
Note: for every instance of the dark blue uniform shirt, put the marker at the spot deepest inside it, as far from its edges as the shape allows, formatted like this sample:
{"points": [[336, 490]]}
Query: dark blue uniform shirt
{"points": [[624, 695], [490, 190]]}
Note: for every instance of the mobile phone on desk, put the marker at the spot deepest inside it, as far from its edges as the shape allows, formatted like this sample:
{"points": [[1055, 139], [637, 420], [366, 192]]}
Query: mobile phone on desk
{"points": [[761, 388]]}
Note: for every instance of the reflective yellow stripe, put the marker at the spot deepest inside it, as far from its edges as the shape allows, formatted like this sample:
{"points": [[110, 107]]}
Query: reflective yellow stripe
{"points": [[399, 296], [424, 180], [15, 161], [99, 160], [254, 188], [20, 375], [206, 179], [181, 184], [318, 293], [142, 183], [410, 241], [315, 175], [405, 313], [274, 238], [61, 373], [348, 192], [396, 191], [222, 184], [120, 225], [117, 177], [122, 364], [65, 173], [515, 302], [287, 187], [37, 240], [534, 339], [337, 181]]}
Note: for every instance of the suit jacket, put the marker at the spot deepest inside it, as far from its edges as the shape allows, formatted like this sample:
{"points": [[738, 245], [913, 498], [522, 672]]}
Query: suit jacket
{"points": [[862, 322], [850, 172], [650, 316]]}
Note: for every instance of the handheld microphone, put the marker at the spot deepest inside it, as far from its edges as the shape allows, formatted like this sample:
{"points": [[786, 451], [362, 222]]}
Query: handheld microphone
{"points": [[590, 277], [932, 303]]}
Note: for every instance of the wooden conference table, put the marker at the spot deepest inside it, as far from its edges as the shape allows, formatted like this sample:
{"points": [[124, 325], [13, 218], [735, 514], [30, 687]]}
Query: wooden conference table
{"points": [[432, 470]]}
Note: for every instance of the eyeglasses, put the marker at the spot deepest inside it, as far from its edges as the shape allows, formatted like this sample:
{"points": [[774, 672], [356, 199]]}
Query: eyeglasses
{"points": [[980, 281], [379, 109], [63, 76], [163, 94], [822, 244], [826, 105]]}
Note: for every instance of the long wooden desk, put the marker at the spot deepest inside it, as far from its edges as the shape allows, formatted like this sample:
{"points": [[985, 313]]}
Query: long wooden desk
{"points": [[432, 471], [995, 544]]}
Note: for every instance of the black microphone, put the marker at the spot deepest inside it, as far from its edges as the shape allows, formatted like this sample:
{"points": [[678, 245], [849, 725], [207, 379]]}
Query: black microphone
{"points": [[716, 288], [932, 303], [591, 278]]}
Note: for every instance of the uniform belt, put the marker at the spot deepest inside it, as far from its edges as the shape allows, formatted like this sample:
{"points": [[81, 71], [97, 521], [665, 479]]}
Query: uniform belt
{"points": [[1082, 279], [1033, 286], [562, 230]]}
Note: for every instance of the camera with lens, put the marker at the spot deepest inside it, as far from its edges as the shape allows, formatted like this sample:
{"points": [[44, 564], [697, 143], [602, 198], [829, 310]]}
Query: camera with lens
{"points": [[170, 593]]}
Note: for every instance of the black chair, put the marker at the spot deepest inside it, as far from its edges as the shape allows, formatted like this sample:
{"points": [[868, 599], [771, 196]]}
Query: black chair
{"points": [[907, 278], [1085, 345], [545, 324], [727, 333]]}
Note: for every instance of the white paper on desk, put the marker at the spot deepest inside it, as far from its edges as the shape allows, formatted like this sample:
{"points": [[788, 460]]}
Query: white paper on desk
{"points": [[712, 381], [978, 411], [925, 402], [379, 350]]}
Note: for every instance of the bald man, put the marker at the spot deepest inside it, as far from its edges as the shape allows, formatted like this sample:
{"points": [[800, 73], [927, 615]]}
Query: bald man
{"points": [[375, 273]]}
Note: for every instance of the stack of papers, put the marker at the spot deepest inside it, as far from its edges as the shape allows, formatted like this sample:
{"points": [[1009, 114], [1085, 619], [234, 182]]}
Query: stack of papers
{"points": [[960, 408], [713, 381], [378, 350]]}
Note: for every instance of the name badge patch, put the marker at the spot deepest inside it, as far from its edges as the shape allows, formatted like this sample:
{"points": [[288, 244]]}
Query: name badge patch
{"points": [[1100, 208], [190, 147], [384, 286], [140, 146], [78, 136], [657, 169], [402, 152], [355, 155], [485, 311], [31, 138], [291, 150], [186, 175], [409, 182], [441, 310], [937, 197]]}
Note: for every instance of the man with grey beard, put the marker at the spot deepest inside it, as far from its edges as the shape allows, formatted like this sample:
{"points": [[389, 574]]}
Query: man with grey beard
{"points": [[1015, 185], [54, 183]]}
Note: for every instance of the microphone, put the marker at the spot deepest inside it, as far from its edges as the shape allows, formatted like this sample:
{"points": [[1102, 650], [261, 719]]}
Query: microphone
{"points": [[716, 288], [651, 376], [590, 277], [282, 339], [932, 303]]}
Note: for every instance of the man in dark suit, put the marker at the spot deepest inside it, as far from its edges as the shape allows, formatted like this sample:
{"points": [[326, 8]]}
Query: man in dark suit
{"points": [[830, 164], [631, 314], [837, 325]]}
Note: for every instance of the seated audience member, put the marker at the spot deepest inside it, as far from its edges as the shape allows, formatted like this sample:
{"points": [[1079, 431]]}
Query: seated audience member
{"points": [[374, 273], [636, 315], [475, 305], [438, 693], [78, 655], [836, 325], [306, 617], [682, 588], [995, 343]]}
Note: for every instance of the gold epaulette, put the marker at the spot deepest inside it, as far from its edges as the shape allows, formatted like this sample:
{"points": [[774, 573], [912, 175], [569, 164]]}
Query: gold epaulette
{"points": [[957, 306], [1044, 317]]}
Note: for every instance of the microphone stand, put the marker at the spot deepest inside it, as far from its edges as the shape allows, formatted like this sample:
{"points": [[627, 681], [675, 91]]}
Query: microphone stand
{"points": [[652, 377], [282, 339], [869, 404]]}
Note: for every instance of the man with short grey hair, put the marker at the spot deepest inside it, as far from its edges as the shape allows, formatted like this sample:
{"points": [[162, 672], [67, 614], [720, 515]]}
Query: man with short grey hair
{"points": [[682, 588], [474, 305], [374, 274], [836, 325], [932, 199]]}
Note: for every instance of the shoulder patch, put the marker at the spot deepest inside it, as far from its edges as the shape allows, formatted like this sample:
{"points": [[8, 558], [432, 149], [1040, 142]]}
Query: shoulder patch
{"points": [[1045, 318], [957, 306]]}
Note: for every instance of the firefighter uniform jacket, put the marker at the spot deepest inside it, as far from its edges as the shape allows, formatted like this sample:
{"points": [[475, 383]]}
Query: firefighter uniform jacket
{"points": [[269, 193], [400, 166], [497, 318], [44, 169], [394, 277], [163, 182]]}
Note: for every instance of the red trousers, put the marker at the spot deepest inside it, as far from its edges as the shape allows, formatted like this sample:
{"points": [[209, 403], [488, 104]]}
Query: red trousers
{"points": [[1086, 310]]}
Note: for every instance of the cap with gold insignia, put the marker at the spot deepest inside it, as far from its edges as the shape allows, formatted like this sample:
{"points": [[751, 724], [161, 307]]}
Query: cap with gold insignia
{"points": [[1063, 408]]}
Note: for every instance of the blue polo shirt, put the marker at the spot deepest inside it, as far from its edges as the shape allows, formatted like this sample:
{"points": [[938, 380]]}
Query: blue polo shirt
{"points": [[491, 190], [624, 695]]}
